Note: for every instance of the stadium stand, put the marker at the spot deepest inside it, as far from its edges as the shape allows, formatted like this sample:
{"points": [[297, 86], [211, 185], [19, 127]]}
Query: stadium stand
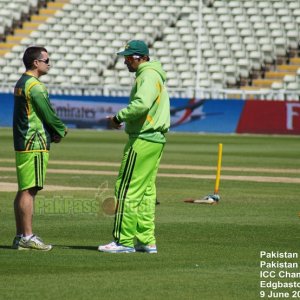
{"points": [[243, 44]]}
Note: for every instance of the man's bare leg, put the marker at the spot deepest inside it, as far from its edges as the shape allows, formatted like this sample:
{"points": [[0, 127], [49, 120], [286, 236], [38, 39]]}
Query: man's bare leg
{"points": [[25, 240], [23, 206]]}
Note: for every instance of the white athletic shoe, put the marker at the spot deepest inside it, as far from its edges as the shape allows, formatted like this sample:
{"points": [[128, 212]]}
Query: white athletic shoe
{"points": [[114, 247], [34, 243], [151, 249]]}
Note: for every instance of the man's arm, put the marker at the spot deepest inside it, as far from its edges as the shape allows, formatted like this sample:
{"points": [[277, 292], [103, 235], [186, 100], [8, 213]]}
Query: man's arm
{"points": [[147, 92], [46, 113]]}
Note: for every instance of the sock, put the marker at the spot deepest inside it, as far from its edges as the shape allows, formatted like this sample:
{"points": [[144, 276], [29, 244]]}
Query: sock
{"points": [[27, 237], [19, 235]]}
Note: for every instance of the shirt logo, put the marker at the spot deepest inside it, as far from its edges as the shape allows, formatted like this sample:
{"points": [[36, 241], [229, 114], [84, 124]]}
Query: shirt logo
{"points": [[18, 92]]}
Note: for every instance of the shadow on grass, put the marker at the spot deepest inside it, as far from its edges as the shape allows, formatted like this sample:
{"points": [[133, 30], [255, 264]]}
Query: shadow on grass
{"points": [[94, 248], [6, 247]]}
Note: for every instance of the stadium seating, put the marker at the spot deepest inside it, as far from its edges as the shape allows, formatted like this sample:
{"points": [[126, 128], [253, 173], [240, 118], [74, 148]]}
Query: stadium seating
{"points": [[240, 42]]}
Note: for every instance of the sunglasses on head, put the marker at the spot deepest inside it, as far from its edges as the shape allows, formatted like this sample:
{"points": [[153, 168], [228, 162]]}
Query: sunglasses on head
{"points": [[46, 61]]}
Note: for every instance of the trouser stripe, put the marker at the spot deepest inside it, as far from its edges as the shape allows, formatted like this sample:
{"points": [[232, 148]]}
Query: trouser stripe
{"points": [[123, 188], [119, 202], [121, 198], [117, 216], [42, 167], [125, 174], [39, 169], [36, 170], [125, 193]]}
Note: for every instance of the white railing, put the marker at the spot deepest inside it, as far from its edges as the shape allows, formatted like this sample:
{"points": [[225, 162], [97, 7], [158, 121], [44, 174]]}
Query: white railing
{"points": [[117, 91]]}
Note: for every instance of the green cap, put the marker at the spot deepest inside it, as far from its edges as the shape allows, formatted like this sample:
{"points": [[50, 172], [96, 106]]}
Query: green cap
{"points": [[135, 47]]}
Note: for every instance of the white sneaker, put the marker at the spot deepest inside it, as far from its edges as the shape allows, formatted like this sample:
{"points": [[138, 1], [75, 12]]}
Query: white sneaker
{"points": [[34, 243], [151, 249], [114, 247]]}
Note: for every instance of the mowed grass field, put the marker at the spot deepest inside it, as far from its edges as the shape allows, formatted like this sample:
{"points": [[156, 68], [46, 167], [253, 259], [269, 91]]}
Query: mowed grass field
{"points": [[205, 252]]}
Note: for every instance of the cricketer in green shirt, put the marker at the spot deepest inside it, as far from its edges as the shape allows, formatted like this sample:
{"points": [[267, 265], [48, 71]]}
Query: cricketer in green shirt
{"points": [[148, 114], [34, 122], [147, 119], [35, 126]]}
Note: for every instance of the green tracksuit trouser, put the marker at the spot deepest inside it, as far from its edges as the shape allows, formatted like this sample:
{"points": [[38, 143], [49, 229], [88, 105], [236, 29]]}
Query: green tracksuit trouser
{"points": [[135, 193]]}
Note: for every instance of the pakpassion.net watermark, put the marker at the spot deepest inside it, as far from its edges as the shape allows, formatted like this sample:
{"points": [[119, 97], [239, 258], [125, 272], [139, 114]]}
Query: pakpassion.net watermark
{"points": [[69, 205], [101, 204]]}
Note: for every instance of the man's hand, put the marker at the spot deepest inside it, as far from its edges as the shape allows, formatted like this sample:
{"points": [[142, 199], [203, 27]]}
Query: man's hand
{"points": [[113, 122], [56, 138]]}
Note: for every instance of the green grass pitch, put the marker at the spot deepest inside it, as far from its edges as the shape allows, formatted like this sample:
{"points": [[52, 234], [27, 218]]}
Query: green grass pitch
{"points": [[205, 252]]}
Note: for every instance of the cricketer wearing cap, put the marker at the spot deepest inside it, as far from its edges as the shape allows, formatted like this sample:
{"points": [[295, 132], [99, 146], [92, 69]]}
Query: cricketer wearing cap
{"points": [[35, 126], [147, 119]]}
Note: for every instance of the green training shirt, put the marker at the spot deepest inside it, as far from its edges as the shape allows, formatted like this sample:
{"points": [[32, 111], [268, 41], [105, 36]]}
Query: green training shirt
{"points": [[34, 120], [147, 115]]}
